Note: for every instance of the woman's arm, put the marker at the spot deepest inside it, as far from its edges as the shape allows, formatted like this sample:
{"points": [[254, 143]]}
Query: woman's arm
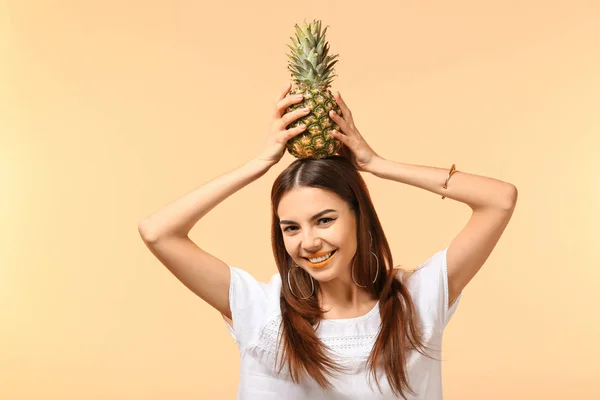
{"points": [[476, 191], [166, 231], [179, 217], [492, 201]]}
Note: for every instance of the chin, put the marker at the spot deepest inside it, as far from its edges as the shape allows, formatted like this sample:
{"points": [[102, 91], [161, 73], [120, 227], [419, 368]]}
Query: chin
{"points": [[326, 274]]}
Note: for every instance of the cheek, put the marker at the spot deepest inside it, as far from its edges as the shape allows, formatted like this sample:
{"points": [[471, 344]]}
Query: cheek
{"points": [[289, 245]]}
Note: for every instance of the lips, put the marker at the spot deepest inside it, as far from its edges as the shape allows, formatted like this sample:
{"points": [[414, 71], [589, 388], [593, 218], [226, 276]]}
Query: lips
{"points": [[322, 263], [320, 254]]}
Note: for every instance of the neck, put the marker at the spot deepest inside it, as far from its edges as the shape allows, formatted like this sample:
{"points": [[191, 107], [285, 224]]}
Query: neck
{"points": [[342, 299]]}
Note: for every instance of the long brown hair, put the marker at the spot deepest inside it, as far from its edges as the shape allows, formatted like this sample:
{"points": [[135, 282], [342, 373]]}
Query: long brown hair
{"points": [[301, 349]]}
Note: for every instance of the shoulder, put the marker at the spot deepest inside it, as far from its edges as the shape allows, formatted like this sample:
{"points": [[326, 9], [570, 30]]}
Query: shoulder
{"points": [[402, 274], [248, 295], [429, 271], [253, 304], [434, 261], [247, 280], [428, 287]]}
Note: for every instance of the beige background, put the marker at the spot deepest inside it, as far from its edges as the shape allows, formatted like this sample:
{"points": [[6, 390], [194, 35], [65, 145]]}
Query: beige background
{"points": [[110, 110]]}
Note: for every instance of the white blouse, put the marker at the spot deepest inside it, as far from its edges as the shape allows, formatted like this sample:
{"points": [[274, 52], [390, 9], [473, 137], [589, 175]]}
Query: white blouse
{"points": [[256, 317]]}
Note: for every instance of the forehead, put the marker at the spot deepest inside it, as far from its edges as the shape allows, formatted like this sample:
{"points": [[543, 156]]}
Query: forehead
{"points": [[304, 202]]}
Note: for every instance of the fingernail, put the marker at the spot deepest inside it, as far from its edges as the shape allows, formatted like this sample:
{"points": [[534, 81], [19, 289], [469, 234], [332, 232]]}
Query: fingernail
{"points": [[299, 96]]}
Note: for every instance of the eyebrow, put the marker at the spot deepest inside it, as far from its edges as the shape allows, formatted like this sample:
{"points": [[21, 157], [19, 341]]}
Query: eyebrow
{"points": [[287, 222]]}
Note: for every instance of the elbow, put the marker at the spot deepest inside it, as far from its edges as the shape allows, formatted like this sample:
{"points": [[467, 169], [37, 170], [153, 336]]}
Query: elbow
{"points": [[151, 235], [146, 233], [510, 198]]}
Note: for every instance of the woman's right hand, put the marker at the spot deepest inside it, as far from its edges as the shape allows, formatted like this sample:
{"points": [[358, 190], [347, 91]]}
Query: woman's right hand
{"points": [[278, 135]]}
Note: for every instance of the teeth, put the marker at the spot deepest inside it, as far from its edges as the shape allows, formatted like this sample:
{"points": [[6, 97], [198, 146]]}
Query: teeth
{"points": [[316, 260]]}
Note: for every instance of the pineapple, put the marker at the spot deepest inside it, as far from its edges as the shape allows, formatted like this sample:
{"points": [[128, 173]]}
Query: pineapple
{"points": [[312, 74]]}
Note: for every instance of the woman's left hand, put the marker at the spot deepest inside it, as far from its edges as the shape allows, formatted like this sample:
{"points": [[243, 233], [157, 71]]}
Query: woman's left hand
{"points": [[355, 148]]}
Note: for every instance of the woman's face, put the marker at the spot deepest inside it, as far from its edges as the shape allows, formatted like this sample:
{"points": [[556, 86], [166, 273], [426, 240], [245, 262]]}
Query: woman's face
{"points": [[308, 231]]}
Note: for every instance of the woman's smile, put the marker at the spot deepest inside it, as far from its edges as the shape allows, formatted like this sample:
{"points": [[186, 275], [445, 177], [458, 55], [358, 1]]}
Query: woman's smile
{"points": [[322, 263]]}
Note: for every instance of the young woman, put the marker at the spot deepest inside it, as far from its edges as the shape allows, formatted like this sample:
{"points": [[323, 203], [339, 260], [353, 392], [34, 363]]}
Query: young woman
{"points": [[337, 317]]}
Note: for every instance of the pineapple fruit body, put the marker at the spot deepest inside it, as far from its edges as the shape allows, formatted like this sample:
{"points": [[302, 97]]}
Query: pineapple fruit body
{"points": [[316, 141], [312, 74]]}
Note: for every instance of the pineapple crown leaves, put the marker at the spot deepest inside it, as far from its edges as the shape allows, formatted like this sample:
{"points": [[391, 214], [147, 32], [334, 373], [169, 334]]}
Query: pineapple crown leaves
{"points": [[309, 61]]}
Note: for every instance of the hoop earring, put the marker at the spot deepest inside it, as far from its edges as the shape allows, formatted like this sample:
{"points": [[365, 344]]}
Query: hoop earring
{"points": [[376, 271], [312, 282]]}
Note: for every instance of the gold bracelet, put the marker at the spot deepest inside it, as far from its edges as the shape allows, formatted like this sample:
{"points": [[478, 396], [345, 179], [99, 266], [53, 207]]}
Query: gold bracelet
{"points": [[452, 171]]}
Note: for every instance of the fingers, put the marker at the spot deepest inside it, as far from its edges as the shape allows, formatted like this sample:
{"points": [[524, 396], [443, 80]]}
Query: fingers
{"points": [[341, 137], [283, 93], [345, 110], [290, 133], [283, 104], [294, 115], [342, 123], [344, 151]]}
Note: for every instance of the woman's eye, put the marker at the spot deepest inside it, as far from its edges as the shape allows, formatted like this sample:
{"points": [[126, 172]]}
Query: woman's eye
{"points": [[322, 219]]}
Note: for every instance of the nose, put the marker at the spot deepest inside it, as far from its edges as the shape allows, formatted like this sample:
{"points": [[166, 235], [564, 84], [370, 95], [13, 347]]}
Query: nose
{"points": [[311, 243]]}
